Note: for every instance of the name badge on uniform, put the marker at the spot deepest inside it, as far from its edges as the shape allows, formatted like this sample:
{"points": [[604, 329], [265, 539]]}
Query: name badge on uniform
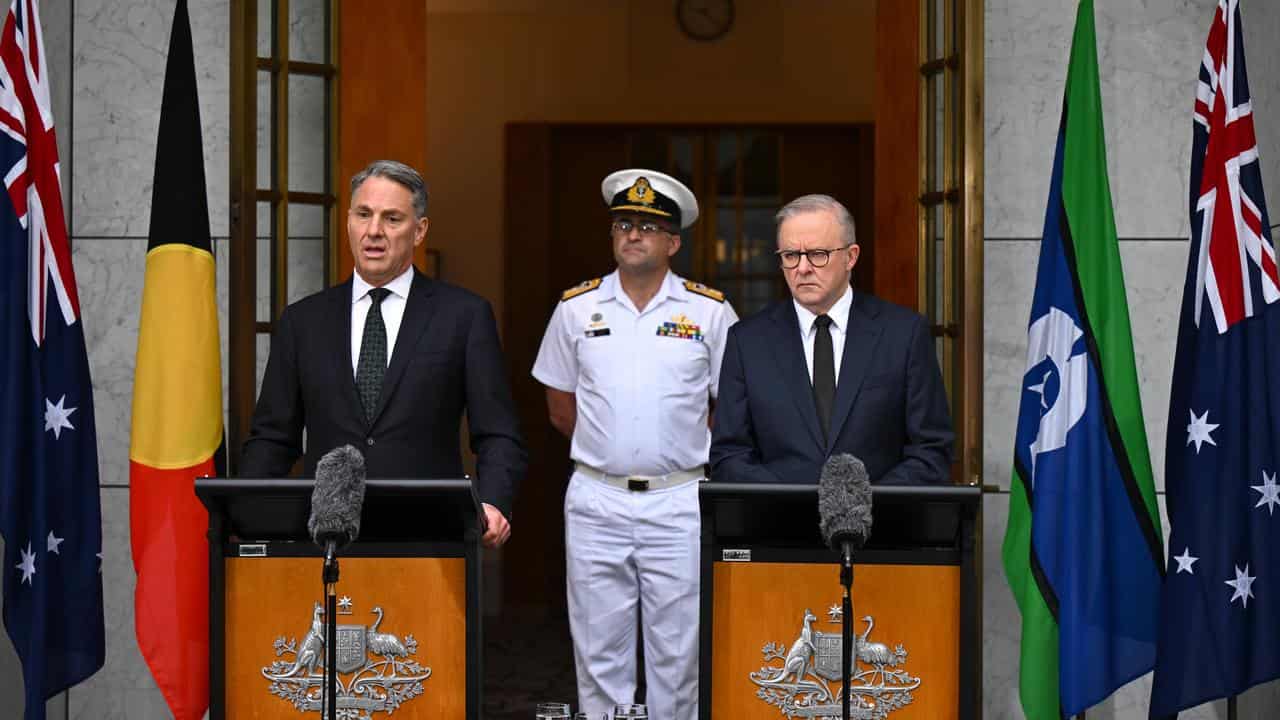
{"points": [[597, 327], [682, 327]]}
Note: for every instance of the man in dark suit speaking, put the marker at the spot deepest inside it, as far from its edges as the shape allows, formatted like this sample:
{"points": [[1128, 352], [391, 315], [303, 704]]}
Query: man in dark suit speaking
{"points": [[388, 361], [830, 370]]}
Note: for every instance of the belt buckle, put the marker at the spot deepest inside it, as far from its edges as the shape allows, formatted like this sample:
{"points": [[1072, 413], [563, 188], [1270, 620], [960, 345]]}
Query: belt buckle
{"points": [[637, 484]]}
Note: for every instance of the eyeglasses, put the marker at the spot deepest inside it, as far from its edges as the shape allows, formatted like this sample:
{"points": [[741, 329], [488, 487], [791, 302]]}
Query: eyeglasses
{"points": [[646, 228], [790, 259]]}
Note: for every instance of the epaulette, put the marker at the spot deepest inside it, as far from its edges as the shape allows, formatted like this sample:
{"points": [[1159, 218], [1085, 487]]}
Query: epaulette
{"points": [[703, 290], [577, 290]]}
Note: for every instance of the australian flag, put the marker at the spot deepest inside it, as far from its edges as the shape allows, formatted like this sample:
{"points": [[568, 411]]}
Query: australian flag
{"points": [[50, 514], [1220, 611]]}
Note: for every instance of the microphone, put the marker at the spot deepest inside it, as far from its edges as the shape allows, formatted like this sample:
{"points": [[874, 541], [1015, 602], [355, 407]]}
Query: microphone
{"points": [[844, 504], [336, 500]]}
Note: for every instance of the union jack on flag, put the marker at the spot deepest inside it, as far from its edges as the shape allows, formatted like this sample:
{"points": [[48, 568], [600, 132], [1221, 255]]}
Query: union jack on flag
{"points": [[33, 181], [1237, 261], [50, 514], [1220, 601]]}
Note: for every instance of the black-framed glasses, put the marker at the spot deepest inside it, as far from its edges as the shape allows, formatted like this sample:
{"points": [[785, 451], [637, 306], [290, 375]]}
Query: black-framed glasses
{"points": [[790, 259], [646, 228]]}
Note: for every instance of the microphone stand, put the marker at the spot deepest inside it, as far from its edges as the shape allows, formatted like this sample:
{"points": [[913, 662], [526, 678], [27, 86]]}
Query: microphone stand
{"points": [[330, 577], [846, 628]]}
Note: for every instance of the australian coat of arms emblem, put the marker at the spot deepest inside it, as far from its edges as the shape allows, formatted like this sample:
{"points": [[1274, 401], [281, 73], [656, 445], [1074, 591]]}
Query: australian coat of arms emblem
{"points": [[376, 670], [807, 683]]}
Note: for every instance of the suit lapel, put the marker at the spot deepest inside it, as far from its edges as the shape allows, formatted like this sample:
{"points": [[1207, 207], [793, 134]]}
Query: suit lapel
{"points": [[788, 350], [418, 314], [341, 343], [860, 339]]}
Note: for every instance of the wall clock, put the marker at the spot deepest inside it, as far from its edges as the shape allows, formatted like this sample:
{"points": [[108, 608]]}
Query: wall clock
{"points": [[705, 20]]}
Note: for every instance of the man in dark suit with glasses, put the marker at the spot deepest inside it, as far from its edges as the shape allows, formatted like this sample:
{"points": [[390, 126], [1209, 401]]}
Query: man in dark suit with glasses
{"points": [[829, 370]]}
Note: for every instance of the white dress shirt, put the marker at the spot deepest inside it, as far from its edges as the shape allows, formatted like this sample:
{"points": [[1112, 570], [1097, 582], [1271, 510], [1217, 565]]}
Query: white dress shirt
{"points": [[839, 314], [392, 311]]}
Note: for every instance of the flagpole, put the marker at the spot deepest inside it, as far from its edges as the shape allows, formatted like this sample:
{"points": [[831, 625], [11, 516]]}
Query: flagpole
{"points": [[1231, 707]]}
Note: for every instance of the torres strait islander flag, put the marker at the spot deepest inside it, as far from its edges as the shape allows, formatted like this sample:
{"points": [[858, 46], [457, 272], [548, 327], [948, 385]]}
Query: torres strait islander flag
{"points": [[1082, 550]]}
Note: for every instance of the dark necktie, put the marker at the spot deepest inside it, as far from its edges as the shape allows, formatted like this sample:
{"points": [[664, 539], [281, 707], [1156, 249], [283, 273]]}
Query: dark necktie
{"points": [[824, 373], [372, 365]]}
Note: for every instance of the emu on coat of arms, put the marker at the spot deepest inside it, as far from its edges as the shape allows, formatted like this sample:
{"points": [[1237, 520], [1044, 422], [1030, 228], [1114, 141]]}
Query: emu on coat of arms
{"points": [[803, 685], [379, 673]]}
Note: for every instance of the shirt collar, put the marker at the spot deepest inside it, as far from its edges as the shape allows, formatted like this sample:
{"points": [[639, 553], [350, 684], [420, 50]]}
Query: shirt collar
{"points": [[839, 313], [398, 287], [672, 287]]}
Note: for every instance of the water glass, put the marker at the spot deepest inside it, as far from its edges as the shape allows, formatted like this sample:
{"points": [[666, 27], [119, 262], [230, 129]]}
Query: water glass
{"points": [[551, 711], [589, 716], [630, 712]]}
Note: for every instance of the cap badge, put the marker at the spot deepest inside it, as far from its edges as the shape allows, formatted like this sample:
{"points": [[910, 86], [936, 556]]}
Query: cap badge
{"points": [[640, 192]]}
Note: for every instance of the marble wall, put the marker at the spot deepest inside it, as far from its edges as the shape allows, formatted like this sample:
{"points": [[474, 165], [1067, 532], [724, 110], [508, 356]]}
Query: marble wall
{"points": [[107, 88], [1149, 53]]}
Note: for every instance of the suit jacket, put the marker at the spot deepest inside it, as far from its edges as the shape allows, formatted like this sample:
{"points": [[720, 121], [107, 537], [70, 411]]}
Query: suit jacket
{"points": [[890, 406], [447, 359]]}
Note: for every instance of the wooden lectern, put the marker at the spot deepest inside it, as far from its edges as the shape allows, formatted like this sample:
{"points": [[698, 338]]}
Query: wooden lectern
{"points": [[409, 610], [771, 606]]}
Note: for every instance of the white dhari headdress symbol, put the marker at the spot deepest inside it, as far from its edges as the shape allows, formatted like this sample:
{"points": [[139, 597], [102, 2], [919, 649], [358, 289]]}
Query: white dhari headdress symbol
{"points": [[1052, 336]]}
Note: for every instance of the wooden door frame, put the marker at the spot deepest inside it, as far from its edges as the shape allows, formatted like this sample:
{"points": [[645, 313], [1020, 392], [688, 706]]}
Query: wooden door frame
{"points": [[900, 187]]}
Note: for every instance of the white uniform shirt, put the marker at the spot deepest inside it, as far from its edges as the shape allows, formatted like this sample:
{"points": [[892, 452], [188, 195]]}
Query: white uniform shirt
{"points": [[392, 311], [641, 379], [839, 314]]}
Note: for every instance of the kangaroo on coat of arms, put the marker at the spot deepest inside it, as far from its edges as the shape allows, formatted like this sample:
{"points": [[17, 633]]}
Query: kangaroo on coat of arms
{"points": [[370, 685], [803, 685]]}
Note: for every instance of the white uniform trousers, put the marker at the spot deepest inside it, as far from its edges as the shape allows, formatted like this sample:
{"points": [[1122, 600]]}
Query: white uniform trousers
{"points": [[625, 547]]}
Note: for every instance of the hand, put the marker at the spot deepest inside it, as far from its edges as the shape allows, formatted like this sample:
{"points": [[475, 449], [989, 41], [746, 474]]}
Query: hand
{"points": [[498, 528]]}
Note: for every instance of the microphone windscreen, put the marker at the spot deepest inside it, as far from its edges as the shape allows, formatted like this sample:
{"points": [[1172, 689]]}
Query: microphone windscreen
{"points": [[337, 497], [844, 501]]}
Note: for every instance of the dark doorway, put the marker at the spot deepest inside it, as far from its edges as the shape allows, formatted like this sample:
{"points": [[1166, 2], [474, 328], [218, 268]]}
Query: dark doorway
{"points": [[557, 236]]}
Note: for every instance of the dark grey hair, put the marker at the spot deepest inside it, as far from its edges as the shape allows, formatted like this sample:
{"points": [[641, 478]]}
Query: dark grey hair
{"points": [[820, 203], [399, 173]]}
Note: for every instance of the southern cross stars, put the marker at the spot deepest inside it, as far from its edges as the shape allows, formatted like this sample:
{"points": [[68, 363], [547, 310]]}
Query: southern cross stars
{"points": [[1243, 584], [53, 542], [1270, 492], [1185, 561], [55, 417], [1198, 430], [28, 564]]}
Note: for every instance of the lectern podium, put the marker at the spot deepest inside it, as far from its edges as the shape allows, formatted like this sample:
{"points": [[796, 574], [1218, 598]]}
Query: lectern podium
{"points": [[771, 606], [409, 607]]}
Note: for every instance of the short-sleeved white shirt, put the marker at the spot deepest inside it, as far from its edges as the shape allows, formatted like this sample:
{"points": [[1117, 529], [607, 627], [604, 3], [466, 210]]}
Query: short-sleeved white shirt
{"points": [[641, 379]]}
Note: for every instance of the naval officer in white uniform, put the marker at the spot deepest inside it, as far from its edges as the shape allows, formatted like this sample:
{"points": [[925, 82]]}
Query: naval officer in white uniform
{"points": [[631, 362]]}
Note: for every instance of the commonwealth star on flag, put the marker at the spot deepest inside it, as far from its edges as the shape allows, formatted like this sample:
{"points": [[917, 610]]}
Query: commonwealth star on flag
{"points": [[1220, 604], [50, 512]]}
